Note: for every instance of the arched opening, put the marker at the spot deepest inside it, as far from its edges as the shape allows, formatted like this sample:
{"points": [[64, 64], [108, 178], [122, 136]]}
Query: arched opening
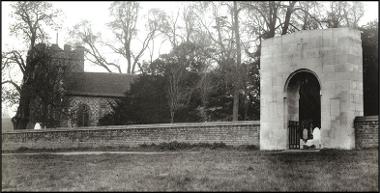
{"points": [[303, 107], [83, 115]]}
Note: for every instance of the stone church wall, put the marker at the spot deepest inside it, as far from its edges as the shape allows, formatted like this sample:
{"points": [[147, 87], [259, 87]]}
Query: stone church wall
{"points": [[98, 107], [230, 133], [367, 132]]}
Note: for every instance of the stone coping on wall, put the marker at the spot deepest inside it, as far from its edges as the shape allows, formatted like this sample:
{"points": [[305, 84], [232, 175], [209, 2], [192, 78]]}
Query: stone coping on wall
{"points": [[308, 31], [367, 118], [163, 125]]}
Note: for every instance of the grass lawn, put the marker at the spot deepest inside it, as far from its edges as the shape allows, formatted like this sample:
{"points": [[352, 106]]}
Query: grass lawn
{"points": [[205, 170]]}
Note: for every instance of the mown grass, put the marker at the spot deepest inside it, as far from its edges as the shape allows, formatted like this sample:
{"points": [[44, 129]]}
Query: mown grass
{"points": [[205, 170]]}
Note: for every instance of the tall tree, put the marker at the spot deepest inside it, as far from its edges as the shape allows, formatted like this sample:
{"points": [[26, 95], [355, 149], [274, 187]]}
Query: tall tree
{"points": [[178, 66], [225, 42], [123, 25], [237, 81]]}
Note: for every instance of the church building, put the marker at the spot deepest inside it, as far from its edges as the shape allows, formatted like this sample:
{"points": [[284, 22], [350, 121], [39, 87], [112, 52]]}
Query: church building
{"points": [[89, 94]]}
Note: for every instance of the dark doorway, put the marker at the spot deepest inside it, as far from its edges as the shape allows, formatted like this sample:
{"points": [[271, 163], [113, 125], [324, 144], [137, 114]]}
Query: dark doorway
{"points": [[304, 106], [309, 101]]}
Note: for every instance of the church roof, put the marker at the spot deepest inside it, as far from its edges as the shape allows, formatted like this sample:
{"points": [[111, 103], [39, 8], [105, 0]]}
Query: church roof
{"points": [[98, 84]]}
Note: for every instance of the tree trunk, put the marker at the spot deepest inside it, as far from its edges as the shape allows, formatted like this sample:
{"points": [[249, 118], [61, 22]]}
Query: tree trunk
{"points": [[289, 11], [129, 64], [171, 116], [235, 110], [21, 119], [246, 107]]}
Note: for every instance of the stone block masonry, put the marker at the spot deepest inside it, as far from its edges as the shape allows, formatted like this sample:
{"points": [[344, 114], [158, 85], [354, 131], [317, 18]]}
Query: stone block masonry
{"points": [[367, 132], [334, 57], [230, 133]]}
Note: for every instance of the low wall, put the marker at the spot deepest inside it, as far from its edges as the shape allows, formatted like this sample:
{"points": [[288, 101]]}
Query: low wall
{"points": [[366, 132], [230, 133]]}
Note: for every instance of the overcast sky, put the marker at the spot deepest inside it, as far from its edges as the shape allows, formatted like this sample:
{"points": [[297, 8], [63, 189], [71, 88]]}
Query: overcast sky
{"points": [[98, 14]]}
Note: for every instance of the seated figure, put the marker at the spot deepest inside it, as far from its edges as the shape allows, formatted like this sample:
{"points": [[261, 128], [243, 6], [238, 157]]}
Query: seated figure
{"points": [[316, 141], [305, 137], [305, 134]]}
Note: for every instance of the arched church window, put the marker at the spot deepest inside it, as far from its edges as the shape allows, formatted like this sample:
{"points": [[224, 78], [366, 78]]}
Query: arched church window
{"points": [[83, 115]]}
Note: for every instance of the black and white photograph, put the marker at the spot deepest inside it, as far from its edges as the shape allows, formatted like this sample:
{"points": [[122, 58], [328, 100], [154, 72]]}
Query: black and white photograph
{"points": [[178, 96]]}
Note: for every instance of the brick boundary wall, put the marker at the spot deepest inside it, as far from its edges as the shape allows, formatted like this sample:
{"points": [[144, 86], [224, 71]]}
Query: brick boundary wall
{"points": [[230, 133], [366, 132]]}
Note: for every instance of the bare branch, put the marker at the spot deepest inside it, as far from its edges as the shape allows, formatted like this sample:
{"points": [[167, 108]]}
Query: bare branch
{"points": [[18, 88]]}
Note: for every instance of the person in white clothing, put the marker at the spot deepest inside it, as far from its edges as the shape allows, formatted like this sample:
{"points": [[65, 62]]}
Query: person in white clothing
{"points": [[317, 137], [316, 141], [37, 126]]}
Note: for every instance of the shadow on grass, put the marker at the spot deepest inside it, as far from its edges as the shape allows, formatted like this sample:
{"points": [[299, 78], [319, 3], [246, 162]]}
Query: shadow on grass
{"points": [[171, 146]]}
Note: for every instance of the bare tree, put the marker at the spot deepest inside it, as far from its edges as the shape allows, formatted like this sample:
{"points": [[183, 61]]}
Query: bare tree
{"points": [[226, 37], [124, 22], [268, 18], [174, 74], [237, 81], [354, 14], [83, 32], [31, 18], [343, 13]]}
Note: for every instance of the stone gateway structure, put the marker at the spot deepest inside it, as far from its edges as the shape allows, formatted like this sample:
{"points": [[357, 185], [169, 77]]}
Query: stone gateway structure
{"points": [[311, 79]]}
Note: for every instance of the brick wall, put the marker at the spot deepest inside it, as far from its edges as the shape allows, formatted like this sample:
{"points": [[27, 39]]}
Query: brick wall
{"points": [[366, 131], [230, 133]]}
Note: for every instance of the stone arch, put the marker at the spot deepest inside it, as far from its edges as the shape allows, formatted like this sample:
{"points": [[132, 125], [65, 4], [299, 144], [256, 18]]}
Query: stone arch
{"points": [[298, 71], [83, 115]]}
